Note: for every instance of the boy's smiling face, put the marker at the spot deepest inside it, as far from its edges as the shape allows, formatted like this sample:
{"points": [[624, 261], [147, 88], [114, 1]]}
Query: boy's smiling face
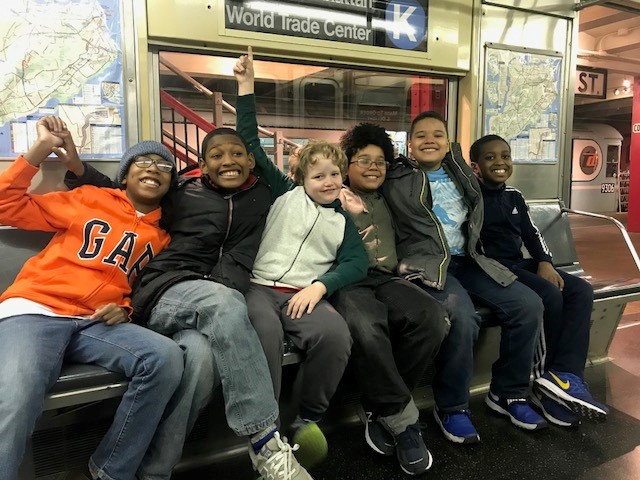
{"points": [[494, 165], [367, 179], [226, 162], [145, 186], [323, 180], [429, 143]]}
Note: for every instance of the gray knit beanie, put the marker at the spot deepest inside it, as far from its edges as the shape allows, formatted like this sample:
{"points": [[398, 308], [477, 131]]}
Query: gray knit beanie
{"points": [[144, 148]]}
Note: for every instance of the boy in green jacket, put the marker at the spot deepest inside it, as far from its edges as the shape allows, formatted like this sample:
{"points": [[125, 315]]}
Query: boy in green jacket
{"points": [[310, 248]]}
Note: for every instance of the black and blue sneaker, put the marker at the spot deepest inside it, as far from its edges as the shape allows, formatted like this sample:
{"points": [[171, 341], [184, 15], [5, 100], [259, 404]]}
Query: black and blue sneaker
{"points": [[555, 411], [456, 426], [518, 410], [413, 455], [378, 437], [573, 391]]}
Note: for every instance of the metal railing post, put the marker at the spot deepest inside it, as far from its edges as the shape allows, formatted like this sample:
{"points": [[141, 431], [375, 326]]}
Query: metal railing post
{"points": [[278, 144], [623, 230], [218, 119]]}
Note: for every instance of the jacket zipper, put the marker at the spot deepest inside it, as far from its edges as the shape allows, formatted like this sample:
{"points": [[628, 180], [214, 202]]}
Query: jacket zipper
{"points": [[229, 220], [301, 245]]}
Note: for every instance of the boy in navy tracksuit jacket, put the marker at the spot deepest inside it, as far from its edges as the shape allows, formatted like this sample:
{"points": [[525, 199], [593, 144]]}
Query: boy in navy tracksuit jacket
{"points": [[559, 389]]}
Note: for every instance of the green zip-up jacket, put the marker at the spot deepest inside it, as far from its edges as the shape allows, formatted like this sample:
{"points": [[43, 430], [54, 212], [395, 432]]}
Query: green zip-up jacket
{"points": [[422, 247]]}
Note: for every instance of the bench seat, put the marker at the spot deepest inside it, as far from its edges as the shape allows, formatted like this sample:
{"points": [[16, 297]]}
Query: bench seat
{"points": [[80, 384], [86, 384]]}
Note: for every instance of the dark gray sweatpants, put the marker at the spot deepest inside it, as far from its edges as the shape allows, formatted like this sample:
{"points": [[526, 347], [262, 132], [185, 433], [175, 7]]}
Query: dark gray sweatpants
{"points": [[323, 335]]}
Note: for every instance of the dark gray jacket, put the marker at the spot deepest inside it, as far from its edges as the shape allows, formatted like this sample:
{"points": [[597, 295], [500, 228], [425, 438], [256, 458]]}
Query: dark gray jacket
{"points": [[422, 247]]}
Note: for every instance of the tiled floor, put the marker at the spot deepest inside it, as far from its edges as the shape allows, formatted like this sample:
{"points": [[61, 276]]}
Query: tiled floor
{"points": [[605, 451]]}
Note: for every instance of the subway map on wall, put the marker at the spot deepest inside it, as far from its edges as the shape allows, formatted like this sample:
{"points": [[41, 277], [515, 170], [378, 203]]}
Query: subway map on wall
{"points": [[522, 102], [62, 58]]}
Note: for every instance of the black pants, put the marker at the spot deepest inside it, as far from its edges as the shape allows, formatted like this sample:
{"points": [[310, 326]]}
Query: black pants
{"points": [[567, 319], [397, 329], [321, 334]]}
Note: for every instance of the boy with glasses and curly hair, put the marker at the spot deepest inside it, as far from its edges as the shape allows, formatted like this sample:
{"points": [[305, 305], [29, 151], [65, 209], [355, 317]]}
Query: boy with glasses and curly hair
{"points": [[396, 327]]}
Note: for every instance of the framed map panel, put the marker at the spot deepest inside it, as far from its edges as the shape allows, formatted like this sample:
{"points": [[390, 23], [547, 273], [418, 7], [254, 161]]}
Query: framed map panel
{"points": [[522, 101], [65, 59]]}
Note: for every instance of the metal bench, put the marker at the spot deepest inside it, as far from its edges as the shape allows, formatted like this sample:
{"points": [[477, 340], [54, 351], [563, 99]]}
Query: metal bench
{"points": [[86, 395]]}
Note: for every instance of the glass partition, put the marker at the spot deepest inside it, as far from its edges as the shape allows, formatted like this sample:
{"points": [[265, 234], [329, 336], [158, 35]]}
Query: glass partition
{"points": [[306, 102]]}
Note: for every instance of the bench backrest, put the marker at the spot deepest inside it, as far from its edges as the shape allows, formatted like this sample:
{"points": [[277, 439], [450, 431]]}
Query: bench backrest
{"points": [[556, 230], [16, 247]]}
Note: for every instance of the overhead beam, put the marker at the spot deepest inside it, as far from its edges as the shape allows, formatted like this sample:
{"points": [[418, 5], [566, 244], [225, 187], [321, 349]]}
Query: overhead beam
{"points": [[632, 6], [603, 21], [587, 3]]}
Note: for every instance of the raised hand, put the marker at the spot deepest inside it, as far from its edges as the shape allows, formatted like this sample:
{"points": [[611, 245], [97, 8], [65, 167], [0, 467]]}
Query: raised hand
{"points": [[48, 129], [68, 154], [243, 71]]}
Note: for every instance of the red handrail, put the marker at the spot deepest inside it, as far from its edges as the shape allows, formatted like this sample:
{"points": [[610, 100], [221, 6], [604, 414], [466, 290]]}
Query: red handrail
{"points": [[186, 112]]}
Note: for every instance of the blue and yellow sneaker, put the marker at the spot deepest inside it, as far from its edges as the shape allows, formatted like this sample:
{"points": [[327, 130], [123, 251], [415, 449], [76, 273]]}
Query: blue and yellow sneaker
{"points": [[518, 410], [456, 426], [573, 391], [554, 410]]}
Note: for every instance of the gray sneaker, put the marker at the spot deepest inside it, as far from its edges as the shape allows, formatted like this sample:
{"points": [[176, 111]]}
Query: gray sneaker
{"points": [[275, 461]]}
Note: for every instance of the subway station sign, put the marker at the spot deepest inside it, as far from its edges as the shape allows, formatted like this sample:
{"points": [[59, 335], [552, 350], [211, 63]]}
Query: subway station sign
{"points": [[400, 24]]}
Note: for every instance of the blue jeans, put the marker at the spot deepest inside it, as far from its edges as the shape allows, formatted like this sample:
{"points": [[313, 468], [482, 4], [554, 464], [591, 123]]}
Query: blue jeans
{"points": [[198, 382], [518, 311], [219, 313], [32, 348]]}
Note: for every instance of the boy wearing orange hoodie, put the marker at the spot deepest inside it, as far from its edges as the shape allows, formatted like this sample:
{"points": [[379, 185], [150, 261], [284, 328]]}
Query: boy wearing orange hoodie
{"points": [[71, 301]]}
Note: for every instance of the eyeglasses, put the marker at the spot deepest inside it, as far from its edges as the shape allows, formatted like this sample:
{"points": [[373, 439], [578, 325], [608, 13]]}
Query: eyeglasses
{"points": [[145, 162], [366, 163]]}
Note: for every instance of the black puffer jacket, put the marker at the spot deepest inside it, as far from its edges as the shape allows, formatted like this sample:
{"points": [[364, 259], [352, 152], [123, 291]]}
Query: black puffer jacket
{"points": [[209, 240]]}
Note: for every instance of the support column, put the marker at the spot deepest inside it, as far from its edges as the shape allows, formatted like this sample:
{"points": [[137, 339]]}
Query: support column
{"points": [[633, 219]]}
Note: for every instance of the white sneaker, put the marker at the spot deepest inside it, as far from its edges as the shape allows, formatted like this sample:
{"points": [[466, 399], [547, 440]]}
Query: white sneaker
{"points": [[275, 461]]}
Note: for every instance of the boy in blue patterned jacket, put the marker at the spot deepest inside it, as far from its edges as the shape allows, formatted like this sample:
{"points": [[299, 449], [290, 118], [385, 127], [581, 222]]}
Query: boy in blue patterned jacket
{"points": [[310, 248]]}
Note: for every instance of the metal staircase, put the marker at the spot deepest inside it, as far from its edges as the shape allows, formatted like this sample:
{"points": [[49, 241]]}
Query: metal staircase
{"points": [[183, 129]]}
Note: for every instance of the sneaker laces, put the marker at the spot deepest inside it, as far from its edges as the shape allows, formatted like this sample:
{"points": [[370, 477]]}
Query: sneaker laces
{"points": [[410, 440], [447, 415], [282, 464]]}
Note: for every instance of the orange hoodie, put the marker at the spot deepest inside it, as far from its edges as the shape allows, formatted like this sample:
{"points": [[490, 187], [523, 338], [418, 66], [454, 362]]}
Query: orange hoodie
{"points": [[100, 243]]}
